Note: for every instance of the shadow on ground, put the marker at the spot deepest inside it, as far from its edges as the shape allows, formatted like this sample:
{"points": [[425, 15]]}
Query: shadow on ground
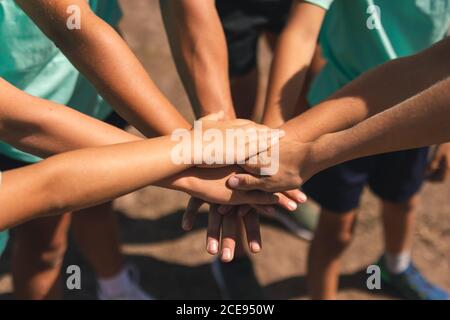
{"points": [[169, 280]]}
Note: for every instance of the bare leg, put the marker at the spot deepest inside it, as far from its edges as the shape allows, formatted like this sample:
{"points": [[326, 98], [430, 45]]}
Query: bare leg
{"points": [[38, 253], [96, 233], [398, 222], [332, 237]]}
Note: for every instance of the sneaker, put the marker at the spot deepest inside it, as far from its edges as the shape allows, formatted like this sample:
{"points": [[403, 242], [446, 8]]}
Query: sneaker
{"points": [[132, 292], [236, 279], [411, 284], [302, 222]]}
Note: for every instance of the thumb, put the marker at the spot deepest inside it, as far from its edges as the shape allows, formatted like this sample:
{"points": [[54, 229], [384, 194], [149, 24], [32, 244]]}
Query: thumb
{"points": [[193, 206], [246, 182]]}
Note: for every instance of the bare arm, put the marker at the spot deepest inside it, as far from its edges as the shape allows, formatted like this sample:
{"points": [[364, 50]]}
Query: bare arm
{"points": [[293, 55], [45, 128], [199, 48], [373, 92], [105, 59], [83, 178], [419, 121]]}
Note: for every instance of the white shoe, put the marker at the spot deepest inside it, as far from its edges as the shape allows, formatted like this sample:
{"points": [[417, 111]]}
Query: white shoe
{"points": [[132, 292]]}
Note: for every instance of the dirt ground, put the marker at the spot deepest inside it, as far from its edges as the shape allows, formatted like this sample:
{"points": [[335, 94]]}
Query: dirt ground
{"points": [[174, 264]]}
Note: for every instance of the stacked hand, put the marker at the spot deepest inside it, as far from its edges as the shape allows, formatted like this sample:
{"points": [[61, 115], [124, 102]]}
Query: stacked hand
{"points": [[229, 207], [209, 185], [296, 166]]}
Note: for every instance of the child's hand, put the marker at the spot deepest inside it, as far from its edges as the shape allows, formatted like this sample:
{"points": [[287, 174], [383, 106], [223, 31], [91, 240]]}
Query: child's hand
{"points": [[227, 142], [210, 186], [223, 228], [296, 165]]}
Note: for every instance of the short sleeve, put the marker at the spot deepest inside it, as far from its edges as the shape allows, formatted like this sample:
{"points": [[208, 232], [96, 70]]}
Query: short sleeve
{"points": [[325, 4]]}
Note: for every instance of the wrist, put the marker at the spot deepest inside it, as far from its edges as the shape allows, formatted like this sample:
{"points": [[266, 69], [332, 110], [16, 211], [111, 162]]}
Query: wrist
{"points": [[179, 182], [273, 123], [327, 151]]}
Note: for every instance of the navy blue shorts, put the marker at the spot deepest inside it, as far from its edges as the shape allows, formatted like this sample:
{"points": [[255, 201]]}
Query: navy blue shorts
{"points": [[394, 177], [243, 22]]}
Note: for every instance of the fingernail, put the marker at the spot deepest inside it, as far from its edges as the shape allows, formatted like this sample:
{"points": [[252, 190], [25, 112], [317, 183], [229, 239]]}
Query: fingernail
{"points": [[212, 247], [186, 225], [226, 254], [233, 182], [302, 197], [255, 246], [292, 205], [281, 133], [241, 212]]}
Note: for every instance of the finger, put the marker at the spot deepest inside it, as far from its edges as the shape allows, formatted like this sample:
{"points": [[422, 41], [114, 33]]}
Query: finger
{"points": [[251, 166], [224, 208], [286, 202], [265, 137], [243, 123], [268, 211], [213, 231], [296, 195], [230, 224], [252, 229], [243, 210], [193, 206], [217, 116], [259, 197], [257, 142], [246, 182]]}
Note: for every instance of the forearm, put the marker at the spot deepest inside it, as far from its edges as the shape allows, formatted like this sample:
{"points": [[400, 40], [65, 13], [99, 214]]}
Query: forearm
{"points": [[201, 57], [292, 58], [419, 121], [105, 59], [373, 92], [45, 128], [83, 178]]}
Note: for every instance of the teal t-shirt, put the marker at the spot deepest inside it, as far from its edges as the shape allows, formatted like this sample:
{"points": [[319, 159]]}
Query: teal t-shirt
{"points": [[354, 39], [3, 241], [32, 63]]}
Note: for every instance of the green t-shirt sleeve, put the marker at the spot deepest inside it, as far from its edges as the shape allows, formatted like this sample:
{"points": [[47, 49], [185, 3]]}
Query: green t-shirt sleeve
{"points": [[3, 241], [325, 4]]}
